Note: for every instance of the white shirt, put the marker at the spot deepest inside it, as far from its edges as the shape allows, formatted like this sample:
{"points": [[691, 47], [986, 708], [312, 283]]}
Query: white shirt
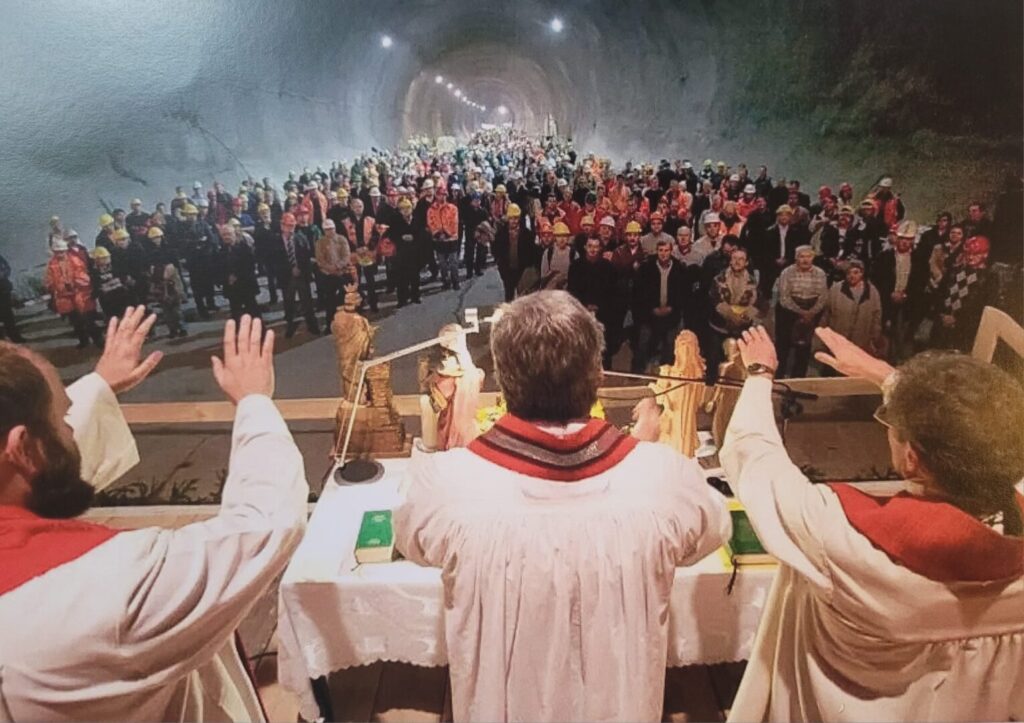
{"points": [[141, 626], [783, 231], [848, 634], [902, 271], [556, 593], [664, 272]]}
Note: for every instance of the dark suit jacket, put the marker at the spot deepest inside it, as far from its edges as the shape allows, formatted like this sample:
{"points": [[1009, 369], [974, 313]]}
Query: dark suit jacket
{"points": [[883, 276], [647, 290], [592, 283], [768, 251], [529, 252]]}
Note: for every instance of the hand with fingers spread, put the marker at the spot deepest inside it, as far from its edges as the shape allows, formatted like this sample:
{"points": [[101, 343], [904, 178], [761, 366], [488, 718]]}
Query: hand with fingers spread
{"points": [[849, 359], [248, 364], [120, 366], [756, 347]]}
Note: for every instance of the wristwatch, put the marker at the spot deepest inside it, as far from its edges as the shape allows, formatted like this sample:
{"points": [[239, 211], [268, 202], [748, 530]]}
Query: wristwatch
{"points": [[758, 368]]}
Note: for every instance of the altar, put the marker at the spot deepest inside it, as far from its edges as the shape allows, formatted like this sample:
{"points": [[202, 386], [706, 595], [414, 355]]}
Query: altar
{"points": [[334, 613]]}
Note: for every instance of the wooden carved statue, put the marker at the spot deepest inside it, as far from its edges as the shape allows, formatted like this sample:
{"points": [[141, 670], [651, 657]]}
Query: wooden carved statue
{"points": [[451, 394], [680, 401], [723, 402], [353, 341]]}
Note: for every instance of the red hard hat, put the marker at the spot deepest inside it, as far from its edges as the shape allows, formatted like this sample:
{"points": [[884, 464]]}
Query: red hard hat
{"points": [[977, 245], [288, 219]]}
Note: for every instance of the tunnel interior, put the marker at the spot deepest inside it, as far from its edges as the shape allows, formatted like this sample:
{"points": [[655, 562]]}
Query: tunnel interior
{"points": [[104, 102]]}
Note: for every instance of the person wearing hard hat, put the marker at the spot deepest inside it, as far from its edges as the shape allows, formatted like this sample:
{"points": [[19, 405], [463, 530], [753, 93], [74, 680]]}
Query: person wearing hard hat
{"points": [[443, 225], [747, 203], [474, 253], [499, 204], [557, 258], [333, 265], [890, 207], [408, 238], [75, 246], [340, 210], [129, 264], [113, 296], [202, 253], [649, 241], [266, 237], [423, 204], [901, 278], [515, 250], [137, 221], [68, 281], [105, 238], [963, 294]]}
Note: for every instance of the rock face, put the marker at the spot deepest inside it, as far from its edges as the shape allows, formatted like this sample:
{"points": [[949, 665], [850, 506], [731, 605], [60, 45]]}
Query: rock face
{"points": [[104, 101]]}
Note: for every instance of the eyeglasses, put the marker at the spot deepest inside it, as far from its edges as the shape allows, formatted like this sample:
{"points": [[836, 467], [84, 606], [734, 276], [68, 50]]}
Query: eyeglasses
{"points": [[880, 416]]}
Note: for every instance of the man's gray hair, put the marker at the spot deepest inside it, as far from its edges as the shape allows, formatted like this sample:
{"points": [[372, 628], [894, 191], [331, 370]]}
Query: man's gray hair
{"points": [[547, 357]]}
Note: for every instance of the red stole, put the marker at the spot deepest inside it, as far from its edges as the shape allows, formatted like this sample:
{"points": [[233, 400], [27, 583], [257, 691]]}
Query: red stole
{"points": [[31, 545], [933, 538], [522, 447]]}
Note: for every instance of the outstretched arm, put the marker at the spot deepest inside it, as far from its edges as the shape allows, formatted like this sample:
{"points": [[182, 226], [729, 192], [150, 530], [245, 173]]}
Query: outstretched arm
{"points": [[104, 440]]}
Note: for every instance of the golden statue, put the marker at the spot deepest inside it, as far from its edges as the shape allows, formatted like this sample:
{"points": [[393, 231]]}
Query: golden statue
{"points": [[353, 341], [723, 401], [680, 401]]}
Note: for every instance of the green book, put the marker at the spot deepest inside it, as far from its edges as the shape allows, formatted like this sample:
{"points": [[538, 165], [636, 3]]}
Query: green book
{"points": [[376, 540], [744, 547]]}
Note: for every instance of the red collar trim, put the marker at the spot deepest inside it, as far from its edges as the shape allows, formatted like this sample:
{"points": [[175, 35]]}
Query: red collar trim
{"points": [[933, 538], [520, 446], [31, 545]]}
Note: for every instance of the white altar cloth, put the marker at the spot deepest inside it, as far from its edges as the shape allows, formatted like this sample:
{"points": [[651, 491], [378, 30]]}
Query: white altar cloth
{"points": [[336, 614]]}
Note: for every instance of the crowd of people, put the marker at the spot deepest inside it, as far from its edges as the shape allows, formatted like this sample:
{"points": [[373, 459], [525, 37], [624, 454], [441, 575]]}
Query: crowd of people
{"points": [[648, 249], [558, 537]]}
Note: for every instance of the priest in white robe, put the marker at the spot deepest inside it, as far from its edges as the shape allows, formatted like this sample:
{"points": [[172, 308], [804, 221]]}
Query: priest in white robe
{"points": [[909, 607], [102, 624], [558, 536]]}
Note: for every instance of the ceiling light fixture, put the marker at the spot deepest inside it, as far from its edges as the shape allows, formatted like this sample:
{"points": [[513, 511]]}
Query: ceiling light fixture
{"points": [[438, 79], [557, 25], [386, 41]]}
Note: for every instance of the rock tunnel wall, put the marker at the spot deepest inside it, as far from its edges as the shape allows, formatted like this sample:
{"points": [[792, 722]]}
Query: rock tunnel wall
{"points": [[106, 101]]}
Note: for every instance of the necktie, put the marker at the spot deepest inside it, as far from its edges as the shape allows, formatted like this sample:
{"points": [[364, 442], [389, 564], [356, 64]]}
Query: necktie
{"points": [[289, 245]]}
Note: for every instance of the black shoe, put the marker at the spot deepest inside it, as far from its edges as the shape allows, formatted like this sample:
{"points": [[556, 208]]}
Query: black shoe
{"points": [[326, 330], [82, 343], [479, 273], [456, 286], [204, 316], [182, 333], [290, 331], [314, 330], [402, 304], [417, 301], [445, 286]]}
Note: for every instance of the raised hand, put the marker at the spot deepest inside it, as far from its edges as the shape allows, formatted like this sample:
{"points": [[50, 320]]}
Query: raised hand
{"points": [[119, 365], [756, 347], [849, 359], [248, 364]]}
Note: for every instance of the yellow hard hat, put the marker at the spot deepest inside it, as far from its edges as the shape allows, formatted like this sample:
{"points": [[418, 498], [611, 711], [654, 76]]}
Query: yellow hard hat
{"points": [[341, 194], [191, 210], [514, 211], [633, 227], [100, 253], [120, 234], [262, 207], [587, 220], [404, 203], [155, 232], [560, 229], [106, 219], [500, 188]]}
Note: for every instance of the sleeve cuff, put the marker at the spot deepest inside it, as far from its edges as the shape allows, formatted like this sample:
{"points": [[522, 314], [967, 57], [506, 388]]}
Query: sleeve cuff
{"points": [[258, 413]]}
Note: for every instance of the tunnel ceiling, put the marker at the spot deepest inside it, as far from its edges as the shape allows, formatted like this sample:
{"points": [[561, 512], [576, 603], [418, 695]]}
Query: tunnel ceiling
{"points": [[105, 101]]}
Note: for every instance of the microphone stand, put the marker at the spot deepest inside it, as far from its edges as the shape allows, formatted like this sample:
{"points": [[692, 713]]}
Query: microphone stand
{"points": [[366, 469]]}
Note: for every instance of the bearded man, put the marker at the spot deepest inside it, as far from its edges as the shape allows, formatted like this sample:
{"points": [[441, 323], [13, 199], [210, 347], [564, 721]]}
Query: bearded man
{"points": [[105, 624]]}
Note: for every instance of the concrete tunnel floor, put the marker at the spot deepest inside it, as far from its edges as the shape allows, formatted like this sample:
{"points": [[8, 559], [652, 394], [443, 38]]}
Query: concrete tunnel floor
{"points": [[831, 439]]}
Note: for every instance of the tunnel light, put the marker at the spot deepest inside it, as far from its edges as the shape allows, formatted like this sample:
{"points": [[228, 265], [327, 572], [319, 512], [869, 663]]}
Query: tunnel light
{"points": [[449, 86], [483, 107], [556, 25], [438, 79], [386, 41], [502, 110], [458, 93]]}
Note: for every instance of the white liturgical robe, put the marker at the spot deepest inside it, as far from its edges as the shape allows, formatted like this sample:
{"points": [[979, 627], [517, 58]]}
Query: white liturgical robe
{"points": [[558, 554], [850, 633], [141, 625]]}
